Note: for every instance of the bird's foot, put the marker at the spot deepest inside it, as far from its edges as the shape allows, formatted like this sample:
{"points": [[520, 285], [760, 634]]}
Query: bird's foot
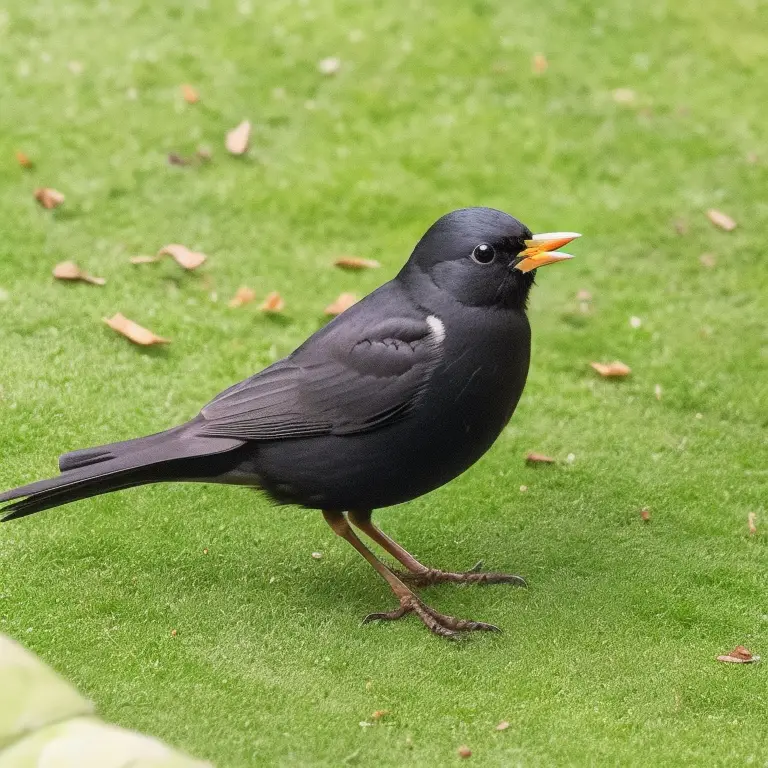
{"points": [[430, 576], [439, 623]]}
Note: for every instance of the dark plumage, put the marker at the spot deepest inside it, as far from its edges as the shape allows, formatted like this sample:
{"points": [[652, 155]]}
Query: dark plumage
{"points": [[393, 398]]}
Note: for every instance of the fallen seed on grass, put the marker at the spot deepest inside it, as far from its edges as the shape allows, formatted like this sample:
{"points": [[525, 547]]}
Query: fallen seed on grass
{"points": [[502, 726], [273, 303], [624, 96], [657, 391], [183, 256], [464, 751], [539, 458], [190, 94], [49, 198], [616, 369], [645, 515], [144, 259], [523, 488], [329, 66], [68, 270], [23, 160], [379, 713], [752, 520], [539, 64], [708, 260], [173, 633], [133, 331], [342, 302], [238, 138], [205, 551], [243, 295], [739, 655], [317, 555], [722, 220], [353, 262]]}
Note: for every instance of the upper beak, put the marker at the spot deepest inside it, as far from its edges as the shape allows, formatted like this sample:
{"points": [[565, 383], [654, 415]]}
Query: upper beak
{"points": [[540, 250]]}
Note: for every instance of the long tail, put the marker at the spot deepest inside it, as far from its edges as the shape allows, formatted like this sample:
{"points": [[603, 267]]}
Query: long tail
{"points": [[178, 454]]}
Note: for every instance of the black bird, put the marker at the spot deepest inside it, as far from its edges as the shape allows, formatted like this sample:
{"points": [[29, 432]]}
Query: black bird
{"points": [[395, 397]]}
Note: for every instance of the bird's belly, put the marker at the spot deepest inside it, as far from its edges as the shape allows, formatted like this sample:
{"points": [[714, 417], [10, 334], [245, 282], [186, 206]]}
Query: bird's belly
{"points": [[434, 443]]}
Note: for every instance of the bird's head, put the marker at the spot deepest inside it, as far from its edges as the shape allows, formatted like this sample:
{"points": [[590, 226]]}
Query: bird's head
{"points": [[484, 257]]}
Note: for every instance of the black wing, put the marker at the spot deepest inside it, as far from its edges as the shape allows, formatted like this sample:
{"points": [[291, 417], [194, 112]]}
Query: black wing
{"points": [[341, 382]]}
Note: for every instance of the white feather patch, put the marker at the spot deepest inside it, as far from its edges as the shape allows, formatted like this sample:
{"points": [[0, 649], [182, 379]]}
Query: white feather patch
{"points": [[437, 327]]}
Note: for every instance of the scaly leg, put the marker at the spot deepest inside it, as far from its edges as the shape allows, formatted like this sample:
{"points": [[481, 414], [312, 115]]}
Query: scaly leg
{"points": [[440, 624], [420, 575]]}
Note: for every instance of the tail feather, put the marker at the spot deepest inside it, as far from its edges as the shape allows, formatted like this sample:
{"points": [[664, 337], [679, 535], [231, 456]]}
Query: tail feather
{"points": [[94, 471]]}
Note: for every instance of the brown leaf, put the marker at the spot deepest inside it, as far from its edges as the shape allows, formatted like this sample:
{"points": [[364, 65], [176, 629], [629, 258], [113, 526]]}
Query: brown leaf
{"points": [[343, 301], [238, 138], [68, 270], [752, 520], [134, 331], [539, 64], [379, 713], [645, 515], [612, 370], [464, 751], [144, 259], [176, 159], [739, 655], [329, 66], [722, 220], [273, 303], [354, 262], [243, 295], [49, 198], [502, 726], [183, 256], [539, 458], [190, 94], [23, 160]]}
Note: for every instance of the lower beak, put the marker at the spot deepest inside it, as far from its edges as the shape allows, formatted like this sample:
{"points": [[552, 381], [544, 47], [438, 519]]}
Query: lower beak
{"points": [[541, 250]]}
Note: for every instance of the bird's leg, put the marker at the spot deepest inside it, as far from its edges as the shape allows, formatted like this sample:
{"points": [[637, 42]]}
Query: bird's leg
{"points": [[420, 575], [440, 624]]}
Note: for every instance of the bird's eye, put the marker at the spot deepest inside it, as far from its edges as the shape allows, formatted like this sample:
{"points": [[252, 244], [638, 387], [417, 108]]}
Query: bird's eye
{"points": [[484, 254]]}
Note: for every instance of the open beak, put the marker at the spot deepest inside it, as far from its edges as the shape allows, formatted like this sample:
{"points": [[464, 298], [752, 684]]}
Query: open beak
{"points": [[541, 250]]}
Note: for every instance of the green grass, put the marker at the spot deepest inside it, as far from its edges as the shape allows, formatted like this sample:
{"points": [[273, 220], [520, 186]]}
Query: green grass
{"points": [[608, 658]]}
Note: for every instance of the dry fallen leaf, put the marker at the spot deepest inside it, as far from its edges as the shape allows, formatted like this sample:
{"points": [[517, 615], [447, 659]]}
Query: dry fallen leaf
{"points": [[379, 713], [183, 256], [144, 259], [68, 270], [134, 331], [752, 520], [612, 370], [49, 198], [722, 220], [707, 260], [624, 96], [354, 262], [539, 64], [205, 551], [502, 726], [329, 66], [539, 458], [176, 159], [739, 655], [238, 138], [243, 295], [273, 303], [173, 633], [464, 751], [204, 154], [191, 96], [343, 301], [645, 515], [23, 160]]}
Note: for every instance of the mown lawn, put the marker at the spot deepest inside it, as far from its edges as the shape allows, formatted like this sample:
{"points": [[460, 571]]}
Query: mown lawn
{"points": [[609, 657]]}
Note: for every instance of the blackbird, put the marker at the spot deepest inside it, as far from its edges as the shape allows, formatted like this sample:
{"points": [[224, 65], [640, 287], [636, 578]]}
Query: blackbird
{"points": [[396, 396]]}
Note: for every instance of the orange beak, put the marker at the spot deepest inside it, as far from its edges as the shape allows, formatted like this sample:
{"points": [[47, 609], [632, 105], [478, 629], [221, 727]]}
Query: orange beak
{"points": [[541, 250]]}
